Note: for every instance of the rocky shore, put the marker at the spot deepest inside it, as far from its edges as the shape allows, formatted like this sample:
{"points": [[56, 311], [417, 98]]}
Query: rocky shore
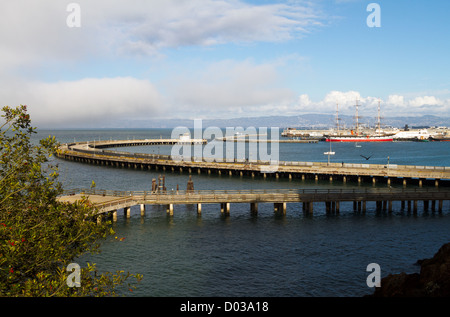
{"points": [[432, 281]]}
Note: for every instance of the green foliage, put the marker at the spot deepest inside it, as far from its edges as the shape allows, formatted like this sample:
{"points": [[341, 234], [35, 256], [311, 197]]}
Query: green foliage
{"points": [[40, 236]]}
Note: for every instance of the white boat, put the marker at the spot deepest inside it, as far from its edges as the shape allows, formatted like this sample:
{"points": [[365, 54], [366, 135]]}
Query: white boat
{"points": [[412, 135], [329, 153]]}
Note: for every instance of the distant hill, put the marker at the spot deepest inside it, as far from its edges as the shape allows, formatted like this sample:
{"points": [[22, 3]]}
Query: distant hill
{"points": [[315, 121]]}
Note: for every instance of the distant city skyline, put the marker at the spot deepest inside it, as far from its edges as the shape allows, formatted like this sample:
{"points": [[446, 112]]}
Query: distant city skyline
{"points": [[80, 63]]}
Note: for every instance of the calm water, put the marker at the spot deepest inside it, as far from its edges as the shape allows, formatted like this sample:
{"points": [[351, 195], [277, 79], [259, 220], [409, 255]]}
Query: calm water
{"points": [[267, 255]]}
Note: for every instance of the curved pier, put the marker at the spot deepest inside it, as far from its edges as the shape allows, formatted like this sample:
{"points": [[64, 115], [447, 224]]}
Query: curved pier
{"points": [[94, 153]]}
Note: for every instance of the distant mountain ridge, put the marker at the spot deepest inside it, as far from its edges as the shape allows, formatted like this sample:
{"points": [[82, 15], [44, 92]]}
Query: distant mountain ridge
{"points": [[314, 121]]}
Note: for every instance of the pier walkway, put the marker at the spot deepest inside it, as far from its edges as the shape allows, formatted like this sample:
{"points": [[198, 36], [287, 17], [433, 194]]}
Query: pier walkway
{"points": [[94, 153], [108, 201]]}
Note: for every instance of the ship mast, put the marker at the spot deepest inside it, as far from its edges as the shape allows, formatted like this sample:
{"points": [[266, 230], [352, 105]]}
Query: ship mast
{"points": [[337, 118], [356, 117], [379, 117]]}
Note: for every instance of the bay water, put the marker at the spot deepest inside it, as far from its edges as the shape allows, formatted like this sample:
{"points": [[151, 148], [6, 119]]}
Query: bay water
{"points": [[267, 255]]}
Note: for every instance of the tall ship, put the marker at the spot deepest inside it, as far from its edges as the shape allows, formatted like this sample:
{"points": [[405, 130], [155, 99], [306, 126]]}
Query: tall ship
{"points": [[357, 135]]}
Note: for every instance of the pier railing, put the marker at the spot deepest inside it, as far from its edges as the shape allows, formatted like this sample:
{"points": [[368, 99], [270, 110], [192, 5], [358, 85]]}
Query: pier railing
{"points": [[90, 150], [269, 191], [114, 200], [85, 152]]}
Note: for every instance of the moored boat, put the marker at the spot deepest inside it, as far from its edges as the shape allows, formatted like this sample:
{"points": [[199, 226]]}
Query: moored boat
{"points": [[360, 138], [356, 136], [440, 138]]}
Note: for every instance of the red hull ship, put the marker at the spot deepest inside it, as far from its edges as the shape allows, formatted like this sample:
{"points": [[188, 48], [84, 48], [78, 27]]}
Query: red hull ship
{"points": [[360, 139], [356, 136]]}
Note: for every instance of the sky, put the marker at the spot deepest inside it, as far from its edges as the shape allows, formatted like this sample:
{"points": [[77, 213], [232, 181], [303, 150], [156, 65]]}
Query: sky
{"points": [[92, 63]]}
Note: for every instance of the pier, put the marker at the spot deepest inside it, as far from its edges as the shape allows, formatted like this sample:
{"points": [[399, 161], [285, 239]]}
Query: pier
{"points": [[108, 202], [94, 153]]}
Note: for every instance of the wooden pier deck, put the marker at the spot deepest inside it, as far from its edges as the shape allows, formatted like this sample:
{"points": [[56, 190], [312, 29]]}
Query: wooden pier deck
{"points": [[94, 153], [108, 201]]}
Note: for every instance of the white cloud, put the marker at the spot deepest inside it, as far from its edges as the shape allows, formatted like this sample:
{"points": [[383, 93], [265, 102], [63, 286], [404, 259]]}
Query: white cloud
{"points": [[396, 100], [35, 41], [35, 32], [344, 100], [87, 101], [425, 101], [419, 105], [394, 104], [32, 32], [148, 26], [228, 86]]}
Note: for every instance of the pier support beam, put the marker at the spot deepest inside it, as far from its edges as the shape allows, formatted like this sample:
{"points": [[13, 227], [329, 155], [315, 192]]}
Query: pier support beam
{"points": [[308, 207], [425, 205], [254, 208], [127, 212], [199, 209], [378, 205], [332, 207], [225, 208], [142, 210], [114, 215], [170, 209], [280, 207]]}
